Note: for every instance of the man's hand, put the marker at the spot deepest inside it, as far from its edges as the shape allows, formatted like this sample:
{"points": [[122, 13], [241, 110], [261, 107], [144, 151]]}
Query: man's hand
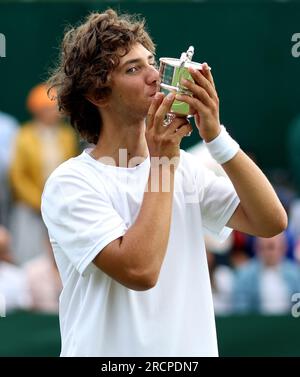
{"points": [[164, 141], [204, 103]]}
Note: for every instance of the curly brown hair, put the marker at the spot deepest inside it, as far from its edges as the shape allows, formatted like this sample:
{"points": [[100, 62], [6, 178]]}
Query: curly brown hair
{"points": [[89, 53]]}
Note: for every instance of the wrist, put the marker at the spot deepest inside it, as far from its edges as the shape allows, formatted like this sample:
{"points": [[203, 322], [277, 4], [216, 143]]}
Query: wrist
{"points": [[210, 137], [223, 147]]}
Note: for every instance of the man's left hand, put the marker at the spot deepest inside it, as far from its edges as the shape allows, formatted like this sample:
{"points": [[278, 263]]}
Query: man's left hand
{"points": [[204, 104]]}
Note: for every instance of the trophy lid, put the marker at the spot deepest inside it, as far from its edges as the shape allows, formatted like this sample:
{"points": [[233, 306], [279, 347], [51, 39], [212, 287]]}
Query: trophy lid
{"points": [[188, 55], [184, 61], [177, 63]]}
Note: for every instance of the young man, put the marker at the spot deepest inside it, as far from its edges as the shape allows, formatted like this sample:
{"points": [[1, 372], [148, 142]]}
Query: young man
{"points": [[126, 217]]}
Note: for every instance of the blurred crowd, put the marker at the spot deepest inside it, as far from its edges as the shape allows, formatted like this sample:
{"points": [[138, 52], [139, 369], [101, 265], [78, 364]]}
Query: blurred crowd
{"points": [[248, 274], [29, 278]]}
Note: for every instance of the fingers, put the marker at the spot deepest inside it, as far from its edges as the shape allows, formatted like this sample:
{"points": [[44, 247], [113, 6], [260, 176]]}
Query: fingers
{"points": [[184, 130], [195, 104], [207, 73], [201, 81], [176, 124], [205, 98], [153, 108], [198, 92], [162, 111], [179, 128]]}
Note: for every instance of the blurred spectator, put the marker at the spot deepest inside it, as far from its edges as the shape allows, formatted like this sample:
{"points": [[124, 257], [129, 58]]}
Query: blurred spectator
{"points": [[294, 221], [267, 282], [239, 254], [295, 218], [34, 286], [293, 150], [44, 282], [41, 145], [290, 245], [8, 130], [13, 281], [221, 277]]}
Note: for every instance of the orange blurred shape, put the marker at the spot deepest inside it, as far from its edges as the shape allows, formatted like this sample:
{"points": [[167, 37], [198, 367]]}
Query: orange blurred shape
{"points": [[38, 98]]}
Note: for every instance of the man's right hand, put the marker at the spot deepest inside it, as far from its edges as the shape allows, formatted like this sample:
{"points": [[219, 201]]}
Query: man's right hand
{"points": [[164, 141]]}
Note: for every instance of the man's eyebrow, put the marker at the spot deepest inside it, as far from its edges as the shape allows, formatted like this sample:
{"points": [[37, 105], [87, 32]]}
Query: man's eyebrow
{"points": [[138, 60]]}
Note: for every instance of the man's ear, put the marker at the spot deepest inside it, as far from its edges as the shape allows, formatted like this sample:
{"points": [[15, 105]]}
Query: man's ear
{"points": [[99, 97]]}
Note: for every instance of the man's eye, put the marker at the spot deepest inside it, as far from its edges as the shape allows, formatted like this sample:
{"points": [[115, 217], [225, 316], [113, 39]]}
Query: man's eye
{"points": [[154, 64], [132, 70]]}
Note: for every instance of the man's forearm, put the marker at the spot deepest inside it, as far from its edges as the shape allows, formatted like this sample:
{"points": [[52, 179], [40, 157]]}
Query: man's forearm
{"points": [[259, 202], [145, 243]]}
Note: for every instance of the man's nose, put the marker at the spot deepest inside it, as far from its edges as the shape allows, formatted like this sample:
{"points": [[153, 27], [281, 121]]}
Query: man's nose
{"points": [[153, 75]]}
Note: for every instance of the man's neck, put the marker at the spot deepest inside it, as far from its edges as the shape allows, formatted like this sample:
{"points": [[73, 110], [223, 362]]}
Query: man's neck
{"points": [[125, 144]]}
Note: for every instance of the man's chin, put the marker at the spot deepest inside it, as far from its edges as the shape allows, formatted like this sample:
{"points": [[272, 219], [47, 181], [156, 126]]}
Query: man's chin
{"points": [[143, 110]]}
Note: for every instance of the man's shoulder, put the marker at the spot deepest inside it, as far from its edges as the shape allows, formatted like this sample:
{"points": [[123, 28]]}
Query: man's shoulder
{"points": [[71, 165], [66, 182], [74, 167]]}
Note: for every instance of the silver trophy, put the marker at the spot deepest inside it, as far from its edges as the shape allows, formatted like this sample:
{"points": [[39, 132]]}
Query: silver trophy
{"points": [[171, 72]]}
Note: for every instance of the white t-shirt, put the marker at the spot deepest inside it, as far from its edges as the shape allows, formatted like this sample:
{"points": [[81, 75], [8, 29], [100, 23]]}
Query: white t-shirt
{"points": [[86, 205]]}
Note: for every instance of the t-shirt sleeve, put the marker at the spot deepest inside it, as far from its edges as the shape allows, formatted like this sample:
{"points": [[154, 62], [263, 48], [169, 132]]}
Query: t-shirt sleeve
{"points": [[80, 219], [218, 201]]}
